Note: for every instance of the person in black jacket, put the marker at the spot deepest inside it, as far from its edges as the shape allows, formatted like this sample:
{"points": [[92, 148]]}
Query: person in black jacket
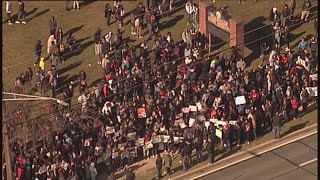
{"points": [[277, 123], [107, 14], [159, 165], [210, 149], [198, 144], [53, 26], [37, 52], [21, 14], [183, 154], [140, 12]]}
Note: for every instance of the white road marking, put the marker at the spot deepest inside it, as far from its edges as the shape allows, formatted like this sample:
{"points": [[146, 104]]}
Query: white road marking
{"points": [[262, 152], [308, 162]]}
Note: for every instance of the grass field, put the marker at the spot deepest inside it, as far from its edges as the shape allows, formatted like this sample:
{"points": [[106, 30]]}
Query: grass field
{"points": [[19, 39]]}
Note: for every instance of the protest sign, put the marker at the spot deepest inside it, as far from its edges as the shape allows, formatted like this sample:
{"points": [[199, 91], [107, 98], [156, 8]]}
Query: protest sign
{"points": [[142, 112], [240, 100], [193, 108], [206, 124], [182, 125], [156, 139], [186, 110], [132, 135], [233, 123], [140, 142], [165, 138], [221, 123], [149, 145], [219, 133], [191, 122], [177, 139], [214, 121], [313, 91], [314, 77], [199, 106], [110, 130]]}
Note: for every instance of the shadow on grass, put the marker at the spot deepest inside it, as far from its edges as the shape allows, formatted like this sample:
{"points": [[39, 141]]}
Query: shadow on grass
{"points": [[73, 30], [294, 128], [70, 67], [171, 22], [31, 12], [253, 32], [39, 14], [86, 3]]}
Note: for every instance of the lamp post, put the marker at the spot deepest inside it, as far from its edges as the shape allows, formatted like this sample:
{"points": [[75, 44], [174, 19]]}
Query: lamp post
{"points": [[5, 133]]}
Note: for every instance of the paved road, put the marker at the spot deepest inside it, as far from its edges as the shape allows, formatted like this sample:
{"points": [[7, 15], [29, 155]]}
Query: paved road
{"points": [[295, 161]]}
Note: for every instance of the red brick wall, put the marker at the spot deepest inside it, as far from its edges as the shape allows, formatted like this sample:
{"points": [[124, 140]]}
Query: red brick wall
{"points": [[237, 36], [236, 28]]}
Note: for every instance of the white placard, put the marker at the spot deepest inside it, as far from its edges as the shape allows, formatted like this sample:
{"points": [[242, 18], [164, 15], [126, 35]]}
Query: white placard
{"points": [[140, 142], [199, 106], [207, 124], [186, 110], [192, 121], [313, 91], [177, 139], [193, 108], [314, 77], [219, 133], [132, 135], [240, 100], [165, 138], [110, 130], [233, 123], [149, 145]]}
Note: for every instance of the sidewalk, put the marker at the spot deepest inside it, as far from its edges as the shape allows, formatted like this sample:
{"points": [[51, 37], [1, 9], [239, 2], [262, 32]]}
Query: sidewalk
{"points": [[146, 169], [247, 154]]}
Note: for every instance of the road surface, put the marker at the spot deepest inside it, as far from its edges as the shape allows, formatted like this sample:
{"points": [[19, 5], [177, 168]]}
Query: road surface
{"points": [[295, 161]]}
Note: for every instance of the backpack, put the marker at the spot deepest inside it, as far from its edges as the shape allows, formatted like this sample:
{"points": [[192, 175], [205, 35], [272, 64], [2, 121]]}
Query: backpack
{"points": [[152, 19]]}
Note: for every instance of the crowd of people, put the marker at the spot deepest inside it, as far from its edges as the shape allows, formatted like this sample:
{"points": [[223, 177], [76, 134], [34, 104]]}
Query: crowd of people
{"points": [[169, 98]]}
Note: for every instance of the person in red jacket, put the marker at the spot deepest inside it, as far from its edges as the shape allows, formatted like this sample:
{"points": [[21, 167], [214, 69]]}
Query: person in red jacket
{"points": [[294, 107]]}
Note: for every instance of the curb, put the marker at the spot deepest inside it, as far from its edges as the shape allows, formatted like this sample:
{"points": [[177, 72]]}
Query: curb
{"points": [[308, 132]]}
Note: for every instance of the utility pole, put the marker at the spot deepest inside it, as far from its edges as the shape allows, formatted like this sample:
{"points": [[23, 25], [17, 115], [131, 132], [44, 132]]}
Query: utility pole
{"points": [[5, 137]]}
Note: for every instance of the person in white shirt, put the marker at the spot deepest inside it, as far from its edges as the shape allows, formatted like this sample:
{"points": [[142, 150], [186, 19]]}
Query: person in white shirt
{"points": [[189, 9], [8, 11], [195, 14]]}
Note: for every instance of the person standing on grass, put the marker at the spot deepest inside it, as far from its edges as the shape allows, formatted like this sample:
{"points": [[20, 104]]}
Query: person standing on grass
{"points": [[294, 107], [306, 10], [59, 36], [159, 166], [198, 146], [242, 1], [37, 52], [21, 14], [277, 123], [53, 26], [274, 16], [210, 149], [8, 11], [67, 5], [108, 14], [292, 6], [285, 16], [140, 12], [189, 9], [195, 14], [132, 22], [314, 48], [137, 24], [76, 5]]}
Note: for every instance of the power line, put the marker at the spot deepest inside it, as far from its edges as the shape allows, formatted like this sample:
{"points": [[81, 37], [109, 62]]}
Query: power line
{"points": [[148, 70]]}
